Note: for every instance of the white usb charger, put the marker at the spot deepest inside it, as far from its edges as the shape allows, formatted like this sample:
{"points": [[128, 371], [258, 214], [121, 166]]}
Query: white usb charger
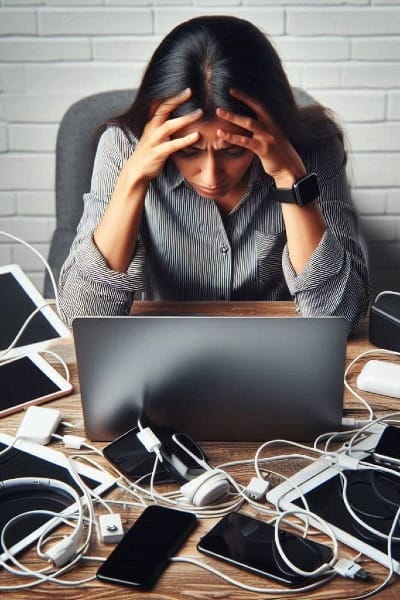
{"points": [[39, 424]]}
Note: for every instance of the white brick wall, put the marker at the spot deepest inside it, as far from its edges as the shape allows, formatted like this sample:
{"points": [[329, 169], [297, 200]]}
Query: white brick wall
{"points": [[346, 53]]}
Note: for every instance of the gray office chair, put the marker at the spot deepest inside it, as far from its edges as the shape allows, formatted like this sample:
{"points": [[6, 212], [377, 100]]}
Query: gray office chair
{"points": [[75, 151]]}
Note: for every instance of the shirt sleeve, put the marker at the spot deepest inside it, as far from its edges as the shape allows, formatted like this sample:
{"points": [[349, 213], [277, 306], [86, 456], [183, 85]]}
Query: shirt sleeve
{"points": [[335, 281], [87, 285]]}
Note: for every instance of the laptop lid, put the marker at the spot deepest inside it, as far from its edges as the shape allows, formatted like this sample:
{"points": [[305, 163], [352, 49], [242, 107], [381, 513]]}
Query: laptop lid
{"points": [[214, 378]]}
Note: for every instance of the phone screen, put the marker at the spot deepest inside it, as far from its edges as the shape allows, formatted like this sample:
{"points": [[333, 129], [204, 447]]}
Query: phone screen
{"points": [[22, 381], [249, 543], [143, 552], [387, 450], [132, 459]]}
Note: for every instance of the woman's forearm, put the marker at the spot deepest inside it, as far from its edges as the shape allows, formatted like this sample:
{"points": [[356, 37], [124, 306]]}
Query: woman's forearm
{"points": [[116, 234], [305, 226]]}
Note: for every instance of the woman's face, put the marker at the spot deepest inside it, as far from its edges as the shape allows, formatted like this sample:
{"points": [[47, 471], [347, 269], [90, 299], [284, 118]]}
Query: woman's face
{"points": [[213, 167]]}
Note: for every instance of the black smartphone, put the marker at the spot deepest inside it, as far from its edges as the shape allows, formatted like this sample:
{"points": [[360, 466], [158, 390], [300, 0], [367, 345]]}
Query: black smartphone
{"points": [[249, 543], [144, 551], [132, 459], [387, 450]]}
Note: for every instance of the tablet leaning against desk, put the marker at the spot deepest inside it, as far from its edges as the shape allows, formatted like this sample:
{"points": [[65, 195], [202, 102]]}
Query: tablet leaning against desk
{"points": [[19, 299]]}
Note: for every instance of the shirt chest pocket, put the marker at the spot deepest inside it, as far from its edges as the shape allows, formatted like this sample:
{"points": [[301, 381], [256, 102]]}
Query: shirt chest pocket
{"points": [[269, 248]]}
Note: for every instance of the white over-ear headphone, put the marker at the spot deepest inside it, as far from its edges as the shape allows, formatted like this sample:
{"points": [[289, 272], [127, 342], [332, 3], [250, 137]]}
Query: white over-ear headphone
{"points": [[207, 488], [62, 552]]}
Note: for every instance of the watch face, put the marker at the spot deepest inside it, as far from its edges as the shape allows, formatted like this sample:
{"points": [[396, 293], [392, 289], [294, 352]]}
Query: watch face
{"points": [[306, 189]]}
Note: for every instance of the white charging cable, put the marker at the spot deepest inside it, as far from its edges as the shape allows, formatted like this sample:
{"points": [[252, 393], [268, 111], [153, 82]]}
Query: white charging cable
{"points": [[328, 530], [41, 258], [38, 309], [273, 591], [386, 293]]}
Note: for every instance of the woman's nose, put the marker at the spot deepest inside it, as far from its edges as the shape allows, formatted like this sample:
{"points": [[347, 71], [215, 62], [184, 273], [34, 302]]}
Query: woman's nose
{"points": [[211, 171]]}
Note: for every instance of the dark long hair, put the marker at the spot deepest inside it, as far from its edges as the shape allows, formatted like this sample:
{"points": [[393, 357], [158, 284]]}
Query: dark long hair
{"points": [[211, 54]]}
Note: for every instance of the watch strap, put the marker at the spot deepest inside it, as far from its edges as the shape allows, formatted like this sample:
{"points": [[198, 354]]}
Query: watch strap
{"points": [[302, 192]]}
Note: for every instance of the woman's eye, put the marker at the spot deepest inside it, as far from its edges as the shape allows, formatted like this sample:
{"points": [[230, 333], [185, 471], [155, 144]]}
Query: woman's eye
{"points": [[188, 152], [235, 152]]}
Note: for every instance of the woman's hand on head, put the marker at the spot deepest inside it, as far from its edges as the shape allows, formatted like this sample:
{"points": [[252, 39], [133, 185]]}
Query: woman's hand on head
{"points": [[156, 143], [277, 155]]}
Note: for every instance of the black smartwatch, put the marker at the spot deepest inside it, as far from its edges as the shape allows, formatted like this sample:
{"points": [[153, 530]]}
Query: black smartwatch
{"points": [[302, 192]]}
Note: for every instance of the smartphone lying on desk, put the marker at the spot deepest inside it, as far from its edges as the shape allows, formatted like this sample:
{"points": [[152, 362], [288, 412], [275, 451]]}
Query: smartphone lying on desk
{"points": [[132, 459], [29, 380], [249, 543], [145, 550]]}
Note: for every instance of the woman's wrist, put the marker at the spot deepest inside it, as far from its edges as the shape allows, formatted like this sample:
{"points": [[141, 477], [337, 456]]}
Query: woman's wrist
{"points": [[286, 179]]}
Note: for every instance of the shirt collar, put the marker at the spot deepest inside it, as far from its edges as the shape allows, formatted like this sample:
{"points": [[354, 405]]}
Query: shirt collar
{"points": [[172, 175]]}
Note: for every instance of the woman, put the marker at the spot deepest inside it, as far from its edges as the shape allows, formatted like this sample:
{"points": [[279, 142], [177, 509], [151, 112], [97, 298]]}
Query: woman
{"points": [[205, 189]]}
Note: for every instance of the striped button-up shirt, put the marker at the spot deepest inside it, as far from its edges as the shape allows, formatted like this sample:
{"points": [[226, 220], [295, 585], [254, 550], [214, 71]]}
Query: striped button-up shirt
{"points": [[187, 250]]}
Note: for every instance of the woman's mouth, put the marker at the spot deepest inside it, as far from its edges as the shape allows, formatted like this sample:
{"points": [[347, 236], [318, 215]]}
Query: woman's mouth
{"points": [[209, 192]]}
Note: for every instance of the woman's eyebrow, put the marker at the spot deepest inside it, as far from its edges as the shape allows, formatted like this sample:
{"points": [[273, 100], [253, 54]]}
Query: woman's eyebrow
{"points": [[227, 147]]}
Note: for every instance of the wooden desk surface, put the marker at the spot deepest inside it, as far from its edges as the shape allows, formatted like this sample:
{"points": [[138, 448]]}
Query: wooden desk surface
{"points": [[183, 581]]}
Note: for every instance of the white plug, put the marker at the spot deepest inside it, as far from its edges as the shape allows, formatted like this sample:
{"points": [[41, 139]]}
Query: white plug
{"points": [[62, 552], [39, 424], [73, 441], [350, 569], [150, 441], [257, 488], [345, 461], [109, 529]]}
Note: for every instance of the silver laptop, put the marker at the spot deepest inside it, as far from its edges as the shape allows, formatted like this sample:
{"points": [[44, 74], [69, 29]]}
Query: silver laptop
{"points": [[214, 378]]}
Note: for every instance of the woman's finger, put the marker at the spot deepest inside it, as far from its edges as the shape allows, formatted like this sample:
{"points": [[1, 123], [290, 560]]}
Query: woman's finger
{"points": [[165, 108], [173, 125], [239, 120], [256, 107]]}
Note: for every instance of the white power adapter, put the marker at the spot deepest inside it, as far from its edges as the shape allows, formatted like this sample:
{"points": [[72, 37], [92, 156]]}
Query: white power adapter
{"points": [[38, 424], [380, 377], [109, 529]]}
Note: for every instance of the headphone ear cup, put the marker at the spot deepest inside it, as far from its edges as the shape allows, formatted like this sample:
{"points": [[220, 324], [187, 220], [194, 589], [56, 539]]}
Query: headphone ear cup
{"points": [[205, 489]]}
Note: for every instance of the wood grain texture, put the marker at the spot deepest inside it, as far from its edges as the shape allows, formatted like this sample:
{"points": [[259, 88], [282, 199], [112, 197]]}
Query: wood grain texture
{"points": [[183, 581]]}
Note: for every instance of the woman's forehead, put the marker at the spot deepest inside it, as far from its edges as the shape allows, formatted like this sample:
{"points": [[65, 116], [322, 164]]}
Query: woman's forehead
{"points": [[208, 131]]}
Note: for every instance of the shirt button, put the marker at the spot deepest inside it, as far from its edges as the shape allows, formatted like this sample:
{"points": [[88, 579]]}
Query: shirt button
{"points": [[224, 249]]}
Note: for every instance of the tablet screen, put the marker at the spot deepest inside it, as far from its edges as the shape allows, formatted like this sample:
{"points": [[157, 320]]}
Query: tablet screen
{"points": [[373, 496], [22, 381], [15, 307]]}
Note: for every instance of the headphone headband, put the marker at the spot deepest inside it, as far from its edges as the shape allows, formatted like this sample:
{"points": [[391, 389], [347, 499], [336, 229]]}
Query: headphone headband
{"points": [[25, 483], [63, 551]]}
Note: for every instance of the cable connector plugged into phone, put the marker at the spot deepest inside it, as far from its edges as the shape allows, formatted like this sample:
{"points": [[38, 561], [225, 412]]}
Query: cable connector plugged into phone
{"points": [[39, 424], [150, 441], [257, 488], [350, 569]]}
